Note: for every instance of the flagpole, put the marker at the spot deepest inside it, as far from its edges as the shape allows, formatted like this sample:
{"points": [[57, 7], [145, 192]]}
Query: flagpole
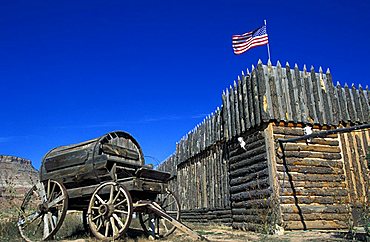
{"points": [[268, 44]]}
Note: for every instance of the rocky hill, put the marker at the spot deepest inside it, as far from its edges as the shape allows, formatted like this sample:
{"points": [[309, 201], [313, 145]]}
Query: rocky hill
{"points": [[17, 175]]}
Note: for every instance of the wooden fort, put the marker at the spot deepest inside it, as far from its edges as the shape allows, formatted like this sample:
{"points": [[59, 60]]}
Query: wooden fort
{"points": [[232, 170]]}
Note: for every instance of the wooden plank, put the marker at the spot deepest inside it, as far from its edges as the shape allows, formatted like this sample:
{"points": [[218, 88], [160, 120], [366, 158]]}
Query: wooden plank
{"points": [[342, 104], [293, 94], [267, 100], [241, 106], [286, 84], [302, 94]]}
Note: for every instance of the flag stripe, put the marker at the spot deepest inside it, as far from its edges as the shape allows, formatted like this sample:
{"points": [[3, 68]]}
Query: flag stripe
{"points": [[244, 42]]}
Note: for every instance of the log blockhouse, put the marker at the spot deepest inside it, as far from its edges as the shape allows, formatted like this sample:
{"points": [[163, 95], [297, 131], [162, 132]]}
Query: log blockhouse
{"points": [[231, 170]]}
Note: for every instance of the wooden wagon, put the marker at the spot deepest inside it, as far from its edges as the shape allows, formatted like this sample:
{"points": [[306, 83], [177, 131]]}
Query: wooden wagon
{"points": [[107, 179]]}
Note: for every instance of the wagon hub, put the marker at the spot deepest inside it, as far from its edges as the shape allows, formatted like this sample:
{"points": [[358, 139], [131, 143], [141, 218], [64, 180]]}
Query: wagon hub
{"points": [[106, 210], [43, 207]]}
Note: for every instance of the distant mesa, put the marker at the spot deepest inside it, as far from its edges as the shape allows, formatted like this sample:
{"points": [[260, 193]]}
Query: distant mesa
{"points": [[17, 176]]}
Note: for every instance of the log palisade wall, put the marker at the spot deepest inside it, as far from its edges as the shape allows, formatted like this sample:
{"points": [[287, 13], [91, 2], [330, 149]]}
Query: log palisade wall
{"points": [[320, 183]]}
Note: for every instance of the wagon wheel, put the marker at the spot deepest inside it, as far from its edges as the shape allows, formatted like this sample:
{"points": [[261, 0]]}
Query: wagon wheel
{"points": [[110, 211], [153, 225], [43, 211]]}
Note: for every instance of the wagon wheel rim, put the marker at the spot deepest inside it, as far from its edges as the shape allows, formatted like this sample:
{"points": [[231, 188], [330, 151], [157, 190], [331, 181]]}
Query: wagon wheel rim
{"points": [[153, 225], [43, 211], [110, 211]]}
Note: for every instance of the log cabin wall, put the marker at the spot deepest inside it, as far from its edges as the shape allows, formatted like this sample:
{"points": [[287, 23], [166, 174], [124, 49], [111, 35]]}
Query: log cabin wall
{"points": [[267, 103]]}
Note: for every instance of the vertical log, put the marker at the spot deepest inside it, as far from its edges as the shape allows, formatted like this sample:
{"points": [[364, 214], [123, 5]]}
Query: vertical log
{"points": [[325, 98], [342, 104], [275, 105], [279, 92], [225, 117], [350, 104], [358, 107], [336, 112], [261, 83], [292, 100], [236, 110], [241, 106], [246, 103], [365, 105], [267, 101], [319, 108], [310, 99], [256, 102], [250, 100], [232, 111]]}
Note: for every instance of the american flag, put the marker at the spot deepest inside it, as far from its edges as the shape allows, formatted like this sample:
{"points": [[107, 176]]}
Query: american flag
{"points": [[244, 42]]}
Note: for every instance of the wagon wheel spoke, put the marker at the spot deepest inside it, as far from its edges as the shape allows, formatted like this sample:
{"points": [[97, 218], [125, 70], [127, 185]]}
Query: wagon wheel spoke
{"points": [[43, 211], [110, 211]]}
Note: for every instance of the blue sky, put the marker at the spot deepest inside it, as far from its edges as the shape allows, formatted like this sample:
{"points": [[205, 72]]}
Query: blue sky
{"points": [[74, 70]]}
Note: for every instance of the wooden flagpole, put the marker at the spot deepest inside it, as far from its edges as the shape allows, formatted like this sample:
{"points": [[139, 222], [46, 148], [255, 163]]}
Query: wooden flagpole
{"points": [[268, 44]]}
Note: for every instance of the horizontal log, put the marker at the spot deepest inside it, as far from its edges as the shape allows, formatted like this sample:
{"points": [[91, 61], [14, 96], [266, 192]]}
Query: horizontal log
{"points": [[256, 184], [312, 162], [314, 184], [250, 195], [314, 141], [249, 211], [307, 154], [312, 177], [258, 166], [244, 179], [317, 216], [248, 160], [310, 170], [300, 191], [297, 132], [311, 148], [317, 224], [249, 139], [313, 200], [338, 208], [247, 154]]}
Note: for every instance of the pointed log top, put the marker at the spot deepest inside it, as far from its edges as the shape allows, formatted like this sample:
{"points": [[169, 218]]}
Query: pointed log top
{"points": [[243, 73], [238, 78], [346, 85], [367, 87], [223, 92], [295, 66], [360, 87], [338, 84], [304, 68], [287, 64], [227, 92], [320, 69], [312, 68], [234, 83], [353, 85], [248, 71], [252, 67], [328, 71], [259, 61], [278, 64], [269, 63]]}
